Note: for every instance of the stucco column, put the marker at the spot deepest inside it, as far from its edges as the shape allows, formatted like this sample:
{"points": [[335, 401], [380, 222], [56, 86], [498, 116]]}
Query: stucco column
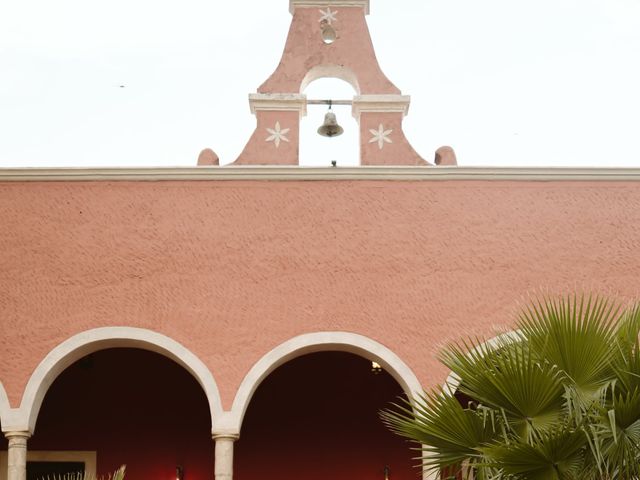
{"points": [[17, 455], [382, 139], [276, 140], [224, 456]]}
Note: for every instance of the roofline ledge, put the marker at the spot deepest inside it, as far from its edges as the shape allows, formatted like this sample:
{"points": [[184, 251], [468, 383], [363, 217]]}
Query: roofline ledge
{"points": [[297, 173]]}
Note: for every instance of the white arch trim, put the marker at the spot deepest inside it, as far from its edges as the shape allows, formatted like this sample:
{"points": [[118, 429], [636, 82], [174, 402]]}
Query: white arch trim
{"points": [[320, 342], [82, 344], [330, 71], [5, 406]]}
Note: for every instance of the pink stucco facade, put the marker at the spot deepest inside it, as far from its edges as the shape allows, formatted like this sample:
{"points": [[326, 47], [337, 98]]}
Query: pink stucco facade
{"points": [[302, 300], [231, 269]]}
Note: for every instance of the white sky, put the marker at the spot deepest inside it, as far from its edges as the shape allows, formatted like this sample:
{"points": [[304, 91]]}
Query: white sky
{"points": [[505, 82]]}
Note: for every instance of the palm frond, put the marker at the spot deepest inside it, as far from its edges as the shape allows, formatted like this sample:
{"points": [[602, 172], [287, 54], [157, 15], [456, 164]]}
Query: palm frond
{"points": [[578, 335], [447, 433], [626, 361], [510, 380], [556, 455], [616, 436]]}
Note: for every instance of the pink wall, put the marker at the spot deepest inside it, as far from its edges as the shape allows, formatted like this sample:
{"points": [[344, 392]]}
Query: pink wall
{"points": [[232, 269], [305, 50]]}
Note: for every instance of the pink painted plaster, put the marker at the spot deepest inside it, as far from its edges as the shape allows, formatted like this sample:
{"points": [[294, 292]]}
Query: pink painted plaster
{"points": [[445, 156], [232, 269], [208, 157], [306, 58], [259, 151], [398, 152], [305, 50]]}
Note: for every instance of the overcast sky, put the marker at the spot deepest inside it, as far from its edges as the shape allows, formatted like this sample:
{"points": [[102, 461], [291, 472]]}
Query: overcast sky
{"points": [[504, 82]]}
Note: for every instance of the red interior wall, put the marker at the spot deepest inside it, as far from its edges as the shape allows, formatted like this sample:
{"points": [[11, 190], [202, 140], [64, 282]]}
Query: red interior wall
{"points": [[133, 407], [316, 418]]}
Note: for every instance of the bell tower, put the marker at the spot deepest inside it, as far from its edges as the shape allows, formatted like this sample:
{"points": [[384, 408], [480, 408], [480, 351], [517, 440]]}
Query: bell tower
{"points": [[329, 38]]}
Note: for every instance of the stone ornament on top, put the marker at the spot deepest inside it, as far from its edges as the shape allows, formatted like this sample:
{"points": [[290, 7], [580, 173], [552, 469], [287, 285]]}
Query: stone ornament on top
{"points": [[329, 38], [208, 157]]}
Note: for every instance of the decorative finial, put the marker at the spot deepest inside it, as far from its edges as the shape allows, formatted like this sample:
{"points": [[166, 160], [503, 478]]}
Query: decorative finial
{"points": [[208, 157], [445, 156]]}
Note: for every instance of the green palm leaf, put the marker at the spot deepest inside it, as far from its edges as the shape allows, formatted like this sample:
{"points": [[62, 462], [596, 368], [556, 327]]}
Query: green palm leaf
{"points": [[626, 363], [447, 433], [510, 380], [557, 455], [616, 435], [578, 335]]}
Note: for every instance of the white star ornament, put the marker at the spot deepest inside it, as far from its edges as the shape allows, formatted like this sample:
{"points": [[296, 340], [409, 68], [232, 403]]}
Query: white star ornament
{"points": [[277, 135], [381, 136]]}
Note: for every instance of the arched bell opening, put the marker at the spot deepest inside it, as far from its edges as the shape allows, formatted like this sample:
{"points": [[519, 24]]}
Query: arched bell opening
{"points": [[338, 72], [320, 151], [317, 417], [125, 406]]}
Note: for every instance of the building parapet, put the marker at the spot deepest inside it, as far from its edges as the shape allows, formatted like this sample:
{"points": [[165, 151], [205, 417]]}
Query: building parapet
{"points": [[296, 173]]}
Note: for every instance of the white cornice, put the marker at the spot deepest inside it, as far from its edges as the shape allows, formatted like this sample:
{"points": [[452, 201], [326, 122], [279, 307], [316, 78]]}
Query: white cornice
{"points": [[285, 173], [293, 4], [381, 104], [288, 102]]}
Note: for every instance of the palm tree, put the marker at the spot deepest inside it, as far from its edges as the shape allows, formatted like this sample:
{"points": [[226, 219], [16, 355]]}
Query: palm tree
{"points": [[558, 400]]}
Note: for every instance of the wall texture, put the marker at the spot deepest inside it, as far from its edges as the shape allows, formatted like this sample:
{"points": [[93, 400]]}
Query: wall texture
{"points": [[232, 269]]}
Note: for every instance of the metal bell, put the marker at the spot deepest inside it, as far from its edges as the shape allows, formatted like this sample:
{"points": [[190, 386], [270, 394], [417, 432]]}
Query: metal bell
{"points": [[330, 127]]}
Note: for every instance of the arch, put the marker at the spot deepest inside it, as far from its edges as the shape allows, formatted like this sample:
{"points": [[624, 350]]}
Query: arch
{"points": [[91, 341], [330, 71], [452, 382], [316, 150], [319, 342]]}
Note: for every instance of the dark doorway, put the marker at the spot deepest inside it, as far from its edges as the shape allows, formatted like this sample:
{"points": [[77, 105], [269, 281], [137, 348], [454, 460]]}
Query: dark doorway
{"points": [[317, 418], [131, 407]]}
